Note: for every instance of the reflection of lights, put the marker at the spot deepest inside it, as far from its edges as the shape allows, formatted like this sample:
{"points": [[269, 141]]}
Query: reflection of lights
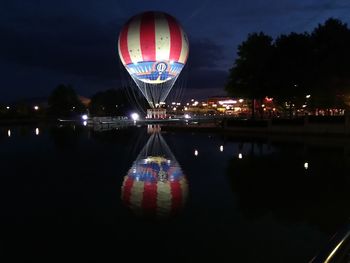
{"points": [[308, 96], [306, 165], [221, 148], [240, 100], [187, 116], [135, 116], [85, 123], [240, 156], [37, 131], [84, 117], [195, 153], [36, 107], [9, 133]]}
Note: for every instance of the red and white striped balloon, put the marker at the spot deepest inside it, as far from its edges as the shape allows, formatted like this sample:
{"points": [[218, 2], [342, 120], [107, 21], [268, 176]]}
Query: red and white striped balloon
{"points": [[152, 45]]}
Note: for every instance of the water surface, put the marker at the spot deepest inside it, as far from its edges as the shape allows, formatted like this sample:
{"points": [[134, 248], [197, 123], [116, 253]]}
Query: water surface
{"points": [[248, 199]]}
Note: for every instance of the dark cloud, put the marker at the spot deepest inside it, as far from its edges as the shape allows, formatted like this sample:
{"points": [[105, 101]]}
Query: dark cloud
{"points": [[65, 44], [44, 43]]}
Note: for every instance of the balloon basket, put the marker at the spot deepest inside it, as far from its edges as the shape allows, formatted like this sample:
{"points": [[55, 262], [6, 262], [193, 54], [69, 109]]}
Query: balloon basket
{"points": [[156, 114]]}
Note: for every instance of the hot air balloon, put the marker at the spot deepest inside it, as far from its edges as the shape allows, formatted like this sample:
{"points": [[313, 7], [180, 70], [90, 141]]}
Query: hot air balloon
{"points": [[153, 48], [155, 185]]}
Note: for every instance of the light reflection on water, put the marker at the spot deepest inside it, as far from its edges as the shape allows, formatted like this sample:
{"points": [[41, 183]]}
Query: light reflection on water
{"points": [[280, 199]]}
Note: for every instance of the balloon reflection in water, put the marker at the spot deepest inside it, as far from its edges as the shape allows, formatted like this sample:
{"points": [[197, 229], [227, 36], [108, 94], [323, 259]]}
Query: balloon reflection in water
{"points": [[155, 185]]}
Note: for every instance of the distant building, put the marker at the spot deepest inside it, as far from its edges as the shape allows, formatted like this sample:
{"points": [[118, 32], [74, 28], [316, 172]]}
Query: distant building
{"points": [[229, 105]]}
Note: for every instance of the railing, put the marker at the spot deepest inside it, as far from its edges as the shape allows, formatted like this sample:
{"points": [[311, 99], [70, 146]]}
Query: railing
{"points": [[337, 250]]}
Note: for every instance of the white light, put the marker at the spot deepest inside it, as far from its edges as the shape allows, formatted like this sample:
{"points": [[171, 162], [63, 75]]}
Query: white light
{"points": [[240, 156], [174, 108], [173, 103], [307, 96], [222, 102], [178, 104], [262, 105], [240, 100], [221, 148], [304, 106], [85, 123], [36, 107], [187, 116], [84, 117], [9, 133], [37, 131], [306, 165], [135, 116], [8, 107], [185, 108], [195, 153]]}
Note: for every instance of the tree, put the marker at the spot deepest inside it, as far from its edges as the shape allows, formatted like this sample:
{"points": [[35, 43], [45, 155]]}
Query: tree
{"points": [[292, 69], [250, 76], [110, 102], [64, 102], [332, 68]]}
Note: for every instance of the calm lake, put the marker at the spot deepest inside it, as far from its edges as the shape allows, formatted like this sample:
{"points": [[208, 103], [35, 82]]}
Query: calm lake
{"points": [[126, 194]]}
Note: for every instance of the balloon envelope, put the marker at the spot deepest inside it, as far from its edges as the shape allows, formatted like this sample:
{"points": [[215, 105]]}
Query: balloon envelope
{"points": [[153, 47]]}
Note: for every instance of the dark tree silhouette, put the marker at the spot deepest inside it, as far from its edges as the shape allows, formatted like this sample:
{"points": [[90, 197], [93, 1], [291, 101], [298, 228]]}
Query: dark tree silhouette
{"points": [[294, 66], [64, 102], [111, 102], [250, 76]]}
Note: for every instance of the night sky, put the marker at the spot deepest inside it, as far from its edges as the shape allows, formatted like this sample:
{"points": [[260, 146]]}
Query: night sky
{"points": [[44, 43]]}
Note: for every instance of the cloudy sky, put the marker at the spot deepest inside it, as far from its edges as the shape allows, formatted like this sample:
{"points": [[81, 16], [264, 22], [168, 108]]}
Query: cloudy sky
{"points": [[44, 43]]}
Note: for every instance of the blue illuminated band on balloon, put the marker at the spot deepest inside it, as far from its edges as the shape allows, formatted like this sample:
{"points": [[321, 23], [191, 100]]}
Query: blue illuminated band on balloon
{"points": [[154, 71], [150, 171]]}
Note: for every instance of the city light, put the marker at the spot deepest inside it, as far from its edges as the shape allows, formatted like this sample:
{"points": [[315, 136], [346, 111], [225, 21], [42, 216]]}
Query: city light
{"points": [[240, 100], [84, 117], [222, 102], [37, 131], [306, 165], [195, 153], [240, 156], [85, 123], [187, 116], [135, 116], [308, 96], [8, 133], [36, 107], [221, 148], [8, 107]]}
